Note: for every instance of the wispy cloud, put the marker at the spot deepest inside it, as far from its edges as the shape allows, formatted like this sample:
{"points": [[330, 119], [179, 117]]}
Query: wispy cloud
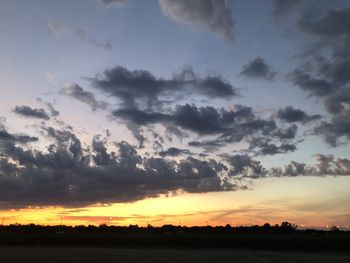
{"points": [[61, 30]]}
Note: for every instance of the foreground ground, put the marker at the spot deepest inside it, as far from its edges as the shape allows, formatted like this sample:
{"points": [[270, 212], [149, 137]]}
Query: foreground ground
{"points": [[15, 254]]}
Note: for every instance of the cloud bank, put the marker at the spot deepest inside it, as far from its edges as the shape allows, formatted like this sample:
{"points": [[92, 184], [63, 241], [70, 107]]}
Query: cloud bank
{"points": [[214, 15]]}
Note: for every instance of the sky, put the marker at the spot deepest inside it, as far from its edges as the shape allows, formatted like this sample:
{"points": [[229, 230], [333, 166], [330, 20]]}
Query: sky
{"points": [[189, 112]]}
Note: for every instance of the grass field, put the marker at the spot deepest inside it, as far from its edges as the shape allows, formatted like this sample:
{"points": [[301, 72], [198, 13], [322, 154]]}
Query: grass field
{"points": [[15, 254]]}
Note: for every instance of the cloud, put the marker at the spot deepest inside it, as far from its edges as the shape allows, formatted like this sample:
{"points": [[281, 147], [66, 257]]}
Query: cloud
{"points": [[67, 175], [114, 2], [173, 151], [29, 112], [245, 165], [6, 137], [326, 76], [283, 7], [326, 165], [141, 86], [287, 133], [9, 138], [208, 145], [258, 69], [228, 126], [335, 100], [146, 101], [75, 91], [172, 130], [331, 24], [65, 139], [265, 146], [313, 86], [202, 120], [141, 117], [61, 29], [333, 131], [214, 15], [290, 114], [53, 111]]}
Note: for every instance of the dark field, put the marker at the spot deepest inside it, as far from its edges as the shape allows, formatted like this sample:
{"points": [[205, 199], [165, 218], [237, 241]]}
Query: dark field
{"points": [[41, 244], [104, 255], [302, 242], [172, 237]]}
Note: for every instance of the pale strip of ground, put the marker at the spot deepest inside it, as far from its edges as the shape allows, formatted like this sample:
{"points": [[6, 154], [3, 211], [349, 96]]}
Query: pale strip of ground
{"points": [[104, 255]]}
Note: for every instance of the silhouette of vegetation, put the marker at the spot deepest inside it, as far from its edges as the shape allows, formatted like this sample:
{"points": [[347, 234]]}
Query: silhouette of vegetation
{"points": [[285, 227], [335, 229], [285, 236]]}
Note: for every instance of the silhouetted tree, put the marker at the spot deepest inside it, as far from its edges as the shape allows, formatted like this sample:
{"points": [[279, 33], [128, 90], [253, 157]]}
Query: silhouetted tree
{"points": [[334, 229]]}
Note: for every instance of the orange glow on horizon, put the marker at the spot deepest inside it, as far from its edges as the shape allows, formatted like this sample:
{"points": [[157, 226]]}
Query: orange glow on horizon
{"points": [[272, 201]]}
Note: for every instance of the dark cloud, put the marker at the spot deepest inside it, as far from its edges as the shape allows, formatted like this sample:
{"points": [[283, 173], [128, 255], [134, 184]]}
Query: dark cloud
{"points": [[75, 91], [6, 137], [238, 132], [172, 130], [101, 155], [233, 124], [141, 86], [29, 112], [142, 95], [215, 15], [245, 165], [331, 24], [138, 134], [313, 86], [288, 133], [114, 2], [203, 120], [326, 165], [329, 165], [330, 31], [67, 175], [265, 146], [290, 114], [65, 139], [258, 69], [334, 131], [228, 126], [326, 76], [336, 100], [283, 7], [272, 149], [140, 117], [9, 138], [292, 169], [173, 151], [208, 145]]}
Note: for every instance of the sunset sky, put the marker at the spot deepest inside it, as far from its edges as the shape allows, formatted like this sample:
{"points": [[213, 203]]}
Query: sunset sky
{"points": [[190, 112]]}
